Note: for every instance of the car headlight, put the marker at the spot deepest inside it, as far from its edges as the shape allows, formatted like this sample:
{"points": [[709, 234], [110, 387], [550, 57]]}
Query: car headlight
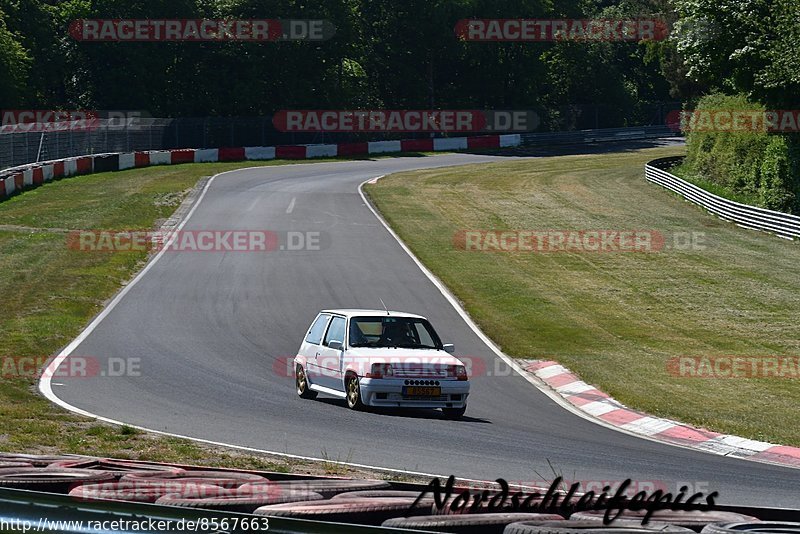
{"points": [[380, 370], [458, 372]]}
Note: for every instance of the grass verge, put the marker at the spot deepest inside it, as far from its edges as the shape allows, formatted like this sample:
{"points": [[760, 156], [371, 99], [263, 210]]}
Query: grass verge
{"points": [[681, 171], [614, 318]]}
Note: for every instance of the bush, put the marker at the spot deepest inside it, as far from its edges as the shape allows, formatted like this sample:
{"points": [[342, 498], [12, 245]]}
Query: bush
{"points": [[761, 165]]}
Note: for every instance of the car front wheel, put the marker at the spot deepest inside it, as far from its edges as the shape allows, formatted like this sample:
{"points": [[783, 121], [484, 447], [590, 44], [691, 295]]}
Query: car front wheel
{"points": [[302, 384], [353, 389]]}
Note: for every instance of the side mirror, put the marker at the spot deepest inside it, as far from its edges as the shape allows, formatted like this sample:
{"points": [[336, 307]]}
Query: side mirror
{"points": [[335, 344], [449, 347]]}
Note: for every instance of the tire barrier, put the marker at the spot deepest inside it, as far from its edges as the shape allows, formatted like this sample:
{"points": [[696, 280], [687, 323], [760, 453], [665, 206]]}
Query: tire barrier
{"points": [[85, 481], [37, 460], [493, 523], [691, 519], [52, 480], [119, 468], [428, 499], [240, 500], [364, 510], [325, 487], [145, 491], [784, 527], [581, 527], [6, 465], [222, 479]]}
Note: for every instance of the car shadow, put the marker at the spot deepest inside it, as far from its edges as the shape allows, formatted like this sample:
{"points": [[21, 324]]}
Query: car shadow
{"points": [[408, 413]]}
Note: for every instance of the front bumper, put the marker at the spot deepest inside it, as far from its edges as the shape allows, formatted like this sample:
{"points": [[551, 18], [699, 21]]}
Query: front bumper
{"points": [[389, 392]]}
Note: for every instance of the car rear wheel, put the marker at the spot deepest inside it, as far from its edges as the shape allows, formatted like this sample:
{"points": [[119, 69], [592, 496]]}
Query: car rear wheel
{"points": [[353, 389], [302, 384], [454, 413]]}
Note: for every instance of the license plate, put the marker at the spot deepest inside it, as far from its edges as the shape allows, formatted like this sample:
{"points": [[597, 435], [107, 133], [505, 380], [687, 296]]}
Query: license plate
{"points": [[421, 391]]}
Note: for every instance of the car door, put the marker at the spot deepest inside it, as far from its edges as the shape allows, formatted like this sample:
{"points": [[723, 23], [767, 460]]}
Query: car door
{"points": [[312, 345], [329, 359]]}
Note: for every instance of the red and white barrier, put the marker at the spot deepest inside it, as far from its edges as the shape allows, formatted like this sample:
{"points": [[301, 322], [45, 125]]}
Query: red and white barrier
{"points": [[25, 176], [450, 143], [47, 173], [259, 152], [381, 147], [509, 140], [9, 185], [127, 161], [206, 155], [70, 166], [160, 157], [321, 151]]}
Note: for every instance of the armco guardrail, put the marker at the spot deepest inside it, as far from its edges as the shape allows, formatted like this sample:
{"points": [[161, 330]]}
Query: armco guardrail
{"points": [[776, 222], [594, 136]]}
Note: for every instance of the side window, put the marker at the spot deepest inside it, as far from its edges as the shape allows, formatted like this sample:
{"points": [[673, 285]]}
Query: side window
{"points": [[335, 331], [317, 329]]}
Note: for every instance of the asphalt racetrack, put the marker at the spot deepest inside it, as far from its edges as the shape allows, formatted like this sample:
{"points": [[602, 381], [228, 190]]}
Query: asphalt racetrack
{"points": [[209, 328]]}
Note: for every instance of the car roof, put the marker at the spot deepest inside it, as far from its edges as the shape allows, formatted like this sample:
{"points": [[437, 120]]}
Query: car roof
{"points": [[371, 313]]}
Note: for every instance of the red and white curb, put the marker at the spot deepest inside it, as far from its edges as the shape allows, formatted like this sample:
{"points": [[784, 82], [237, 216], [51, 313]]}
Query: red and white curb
{"points": [[595, 403]]}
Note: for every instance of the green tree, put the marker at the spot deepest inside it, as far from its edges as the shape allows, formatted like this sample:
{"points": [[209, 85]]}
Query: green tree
{"points": [[14, 68]]}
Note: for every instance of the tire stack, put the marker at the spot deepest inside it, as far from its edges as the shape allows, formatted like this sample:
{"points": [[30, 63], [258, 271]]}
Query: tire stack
{"points": [[366, 502]]}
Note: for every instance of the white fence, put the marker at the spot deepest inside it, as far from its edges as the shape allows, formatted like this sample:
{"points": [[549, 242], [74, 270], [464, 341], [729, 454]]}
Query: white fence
{"points": [[776, 222]]}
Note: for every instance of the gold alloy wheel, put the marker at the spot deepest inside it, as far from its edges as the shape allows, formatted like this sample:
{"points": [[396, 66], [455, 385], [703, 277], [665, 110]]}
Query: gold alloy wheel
{"points": [[302, 384], [354, 394]]}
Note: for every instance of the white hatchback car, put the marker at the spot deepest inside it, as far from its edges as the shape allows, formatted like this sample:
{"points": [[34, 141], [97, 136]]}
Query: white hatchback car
{"points": [[380, 358]]}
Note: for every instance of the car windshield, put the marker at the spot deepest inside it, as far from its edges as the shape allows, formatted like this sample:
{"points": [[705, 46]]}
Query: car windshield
{"points": [[393, 332]]}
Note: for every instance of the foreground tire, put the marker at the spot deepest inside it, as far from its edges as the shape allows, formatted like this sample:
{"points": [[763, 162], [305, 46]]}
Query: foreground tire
{"points": [[353, 390], [587, 527], [223, 479], [361, 494], [327, 487], [240, 501], [38, 460], [369, 511], [301, 382], [454, 413], [692, 519], [8, 465], [145, 491], [119, 468], [752, 526], [52, 480], [466, 524]]}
